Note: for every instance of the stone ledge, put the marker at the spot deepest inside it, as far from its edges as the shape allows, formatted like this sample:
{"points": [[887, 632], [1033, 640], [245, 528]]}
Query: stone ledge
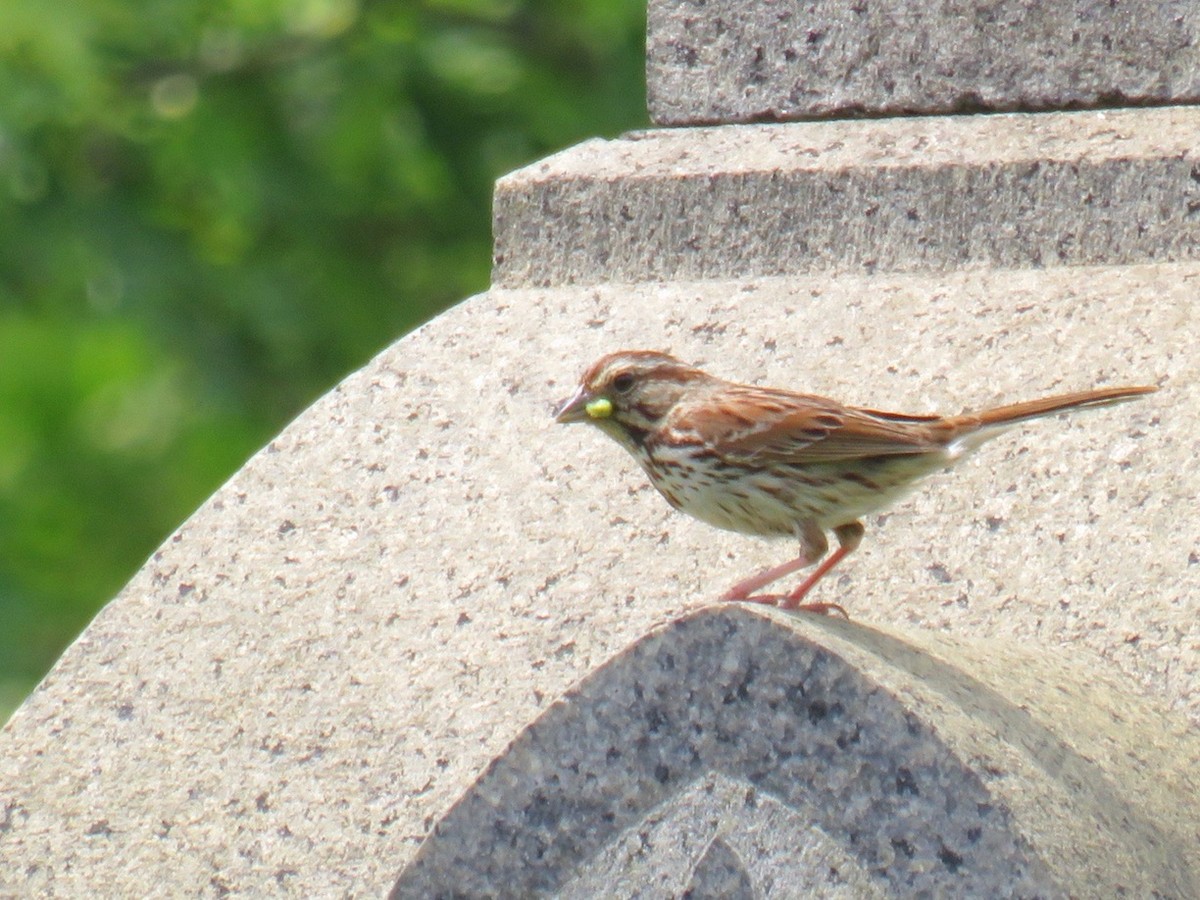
{"points": [[820, 754], [900, 195], [747, 60]]}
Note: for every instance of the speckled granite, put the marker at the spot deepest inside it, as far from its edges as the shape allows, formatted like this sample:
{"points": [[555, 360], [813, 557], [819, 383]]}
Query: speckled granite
{"points": [[308, 675], [880, 763], [764, 848], [919, 194], [740, 60]]}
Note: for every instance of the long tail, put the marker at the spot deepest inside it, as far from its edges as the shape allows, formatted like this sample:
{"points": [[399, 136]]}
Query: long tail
{"points": [[972, 429]]}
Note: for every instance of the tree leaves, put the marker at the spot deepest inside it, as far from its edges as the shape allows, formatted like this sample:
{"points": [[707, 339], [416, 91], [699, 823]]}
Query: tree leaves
{"points": [[211, 212]]}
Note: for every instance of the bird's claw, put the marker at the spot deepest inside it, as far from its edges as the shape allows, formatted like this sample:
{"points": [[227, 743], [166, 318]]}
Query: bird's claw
{"points": [[784, 601]]}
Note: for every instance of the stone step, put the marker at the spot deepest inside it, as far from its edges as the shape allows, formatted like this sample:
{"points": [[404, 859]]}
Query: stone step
{"points": [[926, 194]]}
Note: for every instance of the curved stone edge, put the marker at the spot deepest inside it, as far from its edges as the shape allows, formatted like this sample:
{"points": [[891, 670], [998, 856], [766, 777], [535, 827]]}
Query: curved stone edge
{"points": [[1105, 780], [995, 770], [319, 661]]}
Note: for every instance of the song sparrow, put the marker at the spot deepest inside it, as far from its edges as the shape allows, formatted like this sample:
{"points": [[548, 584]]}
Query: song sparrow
{"points": [[776, 463]]}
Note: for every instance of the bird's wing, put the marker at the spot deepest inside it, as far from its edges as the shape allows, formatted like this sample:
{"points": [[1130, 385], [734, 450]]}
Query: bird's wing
{"points": [[760, 424]]}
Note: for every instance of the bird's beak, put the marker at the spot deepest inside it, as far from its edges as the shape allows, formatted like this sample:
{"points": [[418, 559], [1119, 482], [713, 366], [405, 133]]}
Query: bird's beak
{"points": [[575, 409], [583, 406]]}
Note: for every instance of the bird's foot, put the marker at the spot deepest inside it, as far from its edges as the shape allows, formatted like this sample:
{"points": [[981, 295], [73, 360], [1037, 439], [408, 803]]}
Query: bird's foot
{"points": [[786, 601]]}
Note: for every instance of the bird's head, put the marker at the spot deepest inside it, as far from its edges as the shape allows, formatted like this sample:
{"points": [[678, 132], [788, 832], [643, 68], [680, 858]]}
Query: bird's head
{"points": [[629, 394]]}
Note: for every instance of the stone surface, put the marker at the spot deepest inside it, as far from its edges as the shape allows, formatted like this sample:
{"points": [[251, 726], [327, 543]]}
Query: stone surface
{"points": [[765, 848], [739, 61], [907, 765], [317, 666], [905, 195]]}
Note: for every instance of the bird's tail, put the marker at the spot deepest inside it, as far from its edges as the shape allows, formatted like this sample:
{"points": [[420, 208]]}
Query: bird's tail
{"points": [[969, 430]]}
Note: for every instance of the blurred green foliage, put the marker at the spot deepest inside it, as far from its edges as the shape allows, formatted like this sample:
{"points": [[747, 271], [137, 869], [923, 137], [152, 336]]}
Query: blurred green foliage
{"points": [[210, 211]]}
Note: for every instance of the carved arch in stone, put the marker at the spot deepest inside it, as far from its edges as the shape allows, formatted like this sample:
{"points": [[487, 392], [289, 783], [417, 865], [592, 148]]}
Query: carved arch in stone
{"points": [[728, 755]]}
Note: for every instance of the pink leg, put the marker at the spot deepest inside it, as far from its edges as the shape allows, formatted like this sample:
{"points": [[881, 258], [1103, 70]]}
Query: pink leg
{"points": [[849, 537], [792, 600], [743, 589]]}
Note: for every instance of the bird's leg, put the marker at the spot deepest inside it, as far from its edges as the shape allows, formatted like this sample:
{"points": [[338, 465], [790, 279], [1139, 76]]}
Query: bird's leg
{"points": [[849, 537], [744, 590], [813, 545]]}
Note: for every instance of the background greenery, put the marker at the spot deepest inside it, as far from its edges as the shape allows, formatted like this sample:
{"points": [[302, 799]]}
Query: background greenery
{"points": [[210, 211]]}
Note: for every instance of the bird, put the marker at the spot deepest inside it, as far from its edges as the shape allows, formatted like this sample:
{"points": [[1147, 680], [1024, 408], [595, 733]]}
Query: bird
{"points": [[776, 463]]}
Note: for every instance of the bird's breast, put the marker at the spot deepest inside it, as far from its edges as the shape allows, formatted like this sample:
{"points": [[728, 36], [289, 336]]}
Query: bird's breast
{"points": [[728, 495], [775, 498]]}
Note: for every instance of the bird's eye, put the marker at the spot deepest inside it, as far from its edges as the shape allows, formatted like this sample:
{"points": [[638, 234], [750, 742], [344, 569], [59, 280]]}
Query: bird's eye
{"points": [[623, 384]]}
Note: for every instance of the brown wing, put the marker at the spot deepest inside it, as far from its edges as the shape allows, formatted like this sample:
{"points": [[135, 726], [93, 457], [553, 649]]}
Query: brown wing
{"points": [[761, 424]]}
